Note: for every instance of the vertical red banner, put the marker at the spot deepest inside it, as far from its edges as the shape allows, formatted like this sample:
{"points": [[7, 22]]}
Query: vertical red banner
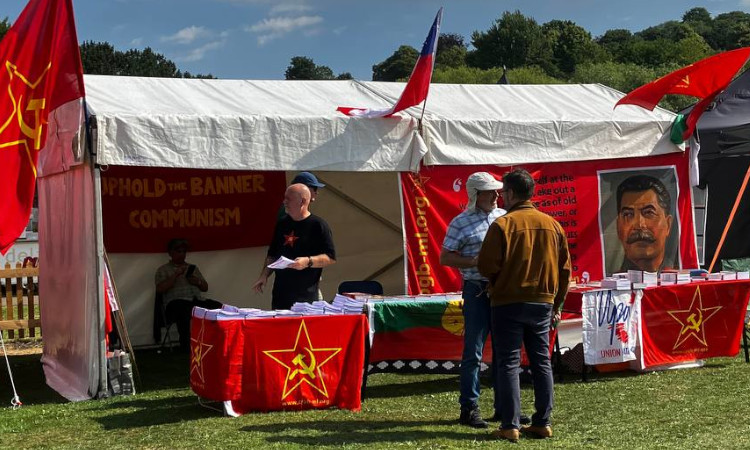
{"points": [[581, 196]]}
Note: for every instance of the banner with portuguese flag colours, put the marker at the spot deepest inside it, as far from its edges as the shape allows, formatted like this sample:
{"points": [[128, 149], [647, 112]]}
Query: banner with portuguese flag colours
{"points": [[414, 335]]}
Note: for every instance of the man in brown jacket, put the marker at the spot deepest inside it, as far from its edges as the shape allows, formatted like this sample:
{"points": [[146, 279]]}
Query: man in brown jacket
{"points": [[526, 260]]}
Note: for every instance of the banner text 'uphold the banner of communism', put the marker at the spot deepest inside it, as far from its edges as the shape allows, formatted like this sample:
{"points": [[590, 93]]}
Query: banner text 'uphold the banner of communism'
{"points": [[580, 195], [144, 207]]}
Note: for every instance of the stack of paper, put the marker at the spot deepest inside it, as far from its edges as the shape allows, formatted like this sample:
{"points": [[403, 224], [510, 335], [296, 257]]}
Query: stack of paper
{"points": [[643, 278], [728, 275], [620, 284], [743, 275]]}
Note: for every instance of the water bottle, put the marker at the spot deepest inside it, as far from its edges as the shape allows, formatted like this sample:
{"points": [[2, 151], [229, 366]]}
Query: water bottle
{"points": [[126, 375]]}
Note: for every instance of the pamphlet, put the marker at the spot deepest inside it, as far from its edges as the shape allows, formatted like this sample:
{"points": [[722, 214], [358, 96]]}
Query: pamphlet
{"points": [[281, 263]]}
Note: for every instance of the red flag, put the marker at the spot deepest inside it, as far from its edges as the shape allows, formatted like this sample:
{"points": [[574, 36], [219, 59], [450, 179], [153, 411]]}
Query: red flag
{"points": [[272, 364], [41, 70], [704, 79], [419, 82], [699, 79], [692, 321]]}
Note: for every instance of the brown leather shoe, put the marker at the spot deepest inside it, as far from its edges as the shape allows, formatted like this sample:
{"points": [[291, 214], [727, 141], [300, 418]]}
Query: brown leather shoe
{"points": [[509, 434], [537, 431]]}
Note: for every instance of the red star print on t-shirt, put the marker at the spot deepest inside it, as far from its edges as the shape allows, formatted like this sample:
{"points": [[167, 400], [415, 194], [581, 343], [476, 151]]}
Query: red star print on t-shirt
{"points": [[290, 238]]}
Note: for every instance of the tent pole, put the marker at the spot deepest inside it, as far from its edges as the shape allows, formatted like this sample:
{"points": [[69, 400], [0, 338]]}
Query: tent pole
{"points": [[729, 221], [101, 311]]}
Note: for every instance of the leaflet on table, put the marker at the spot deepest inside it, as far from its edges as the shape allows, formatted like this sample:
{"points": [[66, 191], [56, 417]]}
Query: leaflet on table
{"points": [[282, 263]]}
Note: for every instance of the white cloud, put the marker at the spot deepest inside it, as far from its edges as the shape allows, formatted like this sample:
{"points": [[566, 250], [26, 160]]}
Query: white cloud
{"points": [[199, 53], [187, 35], [136, 42], [285, 8], [745, 2], [276, 27]]}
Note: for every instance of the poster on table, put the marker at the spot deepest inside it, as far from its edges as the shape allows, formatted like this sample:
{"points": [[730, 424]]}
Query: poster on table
{"points": [[144, 207], [608, 223], [610, 326]]}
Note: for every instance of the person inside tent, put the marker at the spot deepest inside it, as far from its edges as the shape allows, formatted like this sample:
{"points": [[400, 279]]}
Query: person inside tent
{"points": [[181, 285]]}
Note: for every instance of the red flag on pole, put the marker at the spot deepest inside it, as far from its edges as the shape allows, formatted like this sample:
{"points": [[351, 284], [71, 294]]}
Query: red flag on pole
{"points": [[704, 79], [418, 85], [41, 70]]}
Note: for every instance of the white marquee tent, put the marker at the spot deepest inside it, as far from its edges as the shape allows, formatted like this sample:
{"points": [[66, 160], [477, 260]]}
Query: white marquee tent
{"points": [[287, 126]]}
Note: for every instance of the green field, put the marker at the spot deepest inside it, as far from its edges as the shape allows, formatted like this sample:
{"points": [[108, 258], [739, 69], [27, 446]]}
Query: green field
{"points": [[692, 408]]}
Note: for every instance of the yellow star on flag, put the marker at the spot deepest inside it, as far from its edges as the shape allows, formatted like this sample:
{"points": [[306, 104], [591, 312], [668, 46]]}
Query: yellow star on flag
{"points": [[693, 320], [198, 351], [303, 363]]}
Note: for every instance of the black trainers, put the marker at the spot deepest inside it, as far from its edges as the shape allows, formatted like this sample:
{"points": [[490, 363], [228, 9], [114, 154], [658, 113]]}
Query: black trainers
{"points": [[472, 418], [524, 419]]}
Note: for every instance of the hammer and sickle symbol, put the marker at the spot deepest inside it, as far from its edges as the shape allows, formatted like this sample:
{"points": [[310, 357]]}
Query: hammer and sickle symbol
{"points": [[695, 323], [307, 369]]}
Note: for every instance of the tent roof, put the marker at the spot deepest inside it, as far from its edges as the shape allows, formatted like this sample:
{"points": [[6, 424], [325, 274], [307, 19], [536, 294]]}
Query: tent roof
{"points": [[293, 125]]}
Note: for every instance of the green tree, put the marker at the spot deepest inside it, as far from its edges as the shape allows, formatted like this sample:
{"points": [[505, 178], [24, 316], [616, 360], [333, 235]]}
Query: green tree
{"points": [[475, 75], [571, 45], [344, 76], [396, 67], [671, 30], [514, 40], [699, 19], [614, 41], [730, 31], [451, 51], [102, 58], [660, 52], [4, 27], [304, 68]]}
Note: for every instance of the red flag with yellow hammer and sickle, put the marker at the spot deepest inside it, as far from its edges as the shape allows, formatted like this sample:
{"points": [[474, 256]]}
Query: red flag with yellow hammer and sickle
{"points": [[40, 70]]}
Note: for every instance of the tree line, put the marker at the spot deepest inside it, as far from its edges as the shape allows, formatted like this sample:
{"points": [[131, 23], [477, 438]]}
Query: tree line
{"points": [[560, 51], [101, 58]]}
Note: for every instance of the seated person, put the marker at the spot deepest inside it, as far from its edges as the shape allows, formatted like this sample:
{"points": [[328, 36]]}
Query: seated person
{"points": [[180, 285]]}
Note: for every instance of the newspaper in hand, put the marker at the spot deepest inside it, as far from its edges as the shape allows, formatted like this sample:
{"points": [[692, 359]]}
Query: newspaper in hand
{"points": [[281, 263]]}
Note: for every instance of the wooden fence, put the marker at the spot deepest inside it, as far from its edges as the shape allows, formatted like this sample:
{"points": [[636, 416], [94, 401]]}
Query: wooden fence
{"points": [[19, 305]]}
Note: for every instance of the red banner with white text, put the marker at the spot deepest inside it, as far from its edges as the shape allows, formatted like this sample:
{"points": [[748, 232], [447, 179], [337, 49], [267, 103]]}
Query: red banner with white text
{"points": [[144, 207], [269, 364], [582, 196], [686, 322]]}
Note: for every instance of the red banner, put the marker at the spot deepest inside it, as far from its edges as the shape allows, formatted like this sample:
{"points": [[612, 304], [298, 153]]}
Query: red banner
{"points": [[692, 321], [144, 207], [580, 195], [280, 363]]}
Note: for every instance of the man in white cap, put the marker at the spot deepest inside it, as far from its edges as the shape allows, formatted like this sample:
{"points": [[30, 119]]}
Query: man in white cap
{"points": [[463, 240]]}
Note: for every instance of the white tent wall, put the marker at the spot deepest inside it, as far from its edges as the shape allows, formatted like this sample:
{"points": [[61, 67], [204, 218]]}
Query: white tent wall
{"points": [[366, 227], [68, 283]]}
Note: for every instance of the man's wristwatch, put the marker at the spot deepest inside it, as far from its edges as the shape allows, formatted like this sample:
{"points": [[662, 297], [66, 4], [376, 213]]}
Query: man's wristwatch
{"points": [[309, 262]]}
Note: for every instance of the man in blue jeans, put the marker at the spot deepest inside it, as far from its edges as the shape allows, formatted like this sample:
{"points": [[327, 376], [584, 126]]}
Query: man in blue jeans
{"points": [[460, 249], [525, 257]]}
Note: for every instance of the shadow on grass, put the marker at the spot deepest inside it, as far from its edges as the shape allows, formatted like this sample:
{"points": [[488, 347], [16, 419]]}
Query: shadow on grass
{"points": [[28, 377], [362, 432], [432, 386], [153, 412]]}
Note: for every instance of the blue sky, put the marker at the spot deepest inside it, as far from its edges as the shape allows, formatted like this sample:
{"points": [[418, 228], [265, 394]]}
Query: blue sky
{"points": [[256, 39]]}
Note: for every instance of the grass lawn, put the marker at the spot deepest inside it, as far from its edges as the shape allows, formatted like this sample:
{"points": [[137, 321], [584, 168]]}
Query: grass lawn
{"points": [[693, 408]]}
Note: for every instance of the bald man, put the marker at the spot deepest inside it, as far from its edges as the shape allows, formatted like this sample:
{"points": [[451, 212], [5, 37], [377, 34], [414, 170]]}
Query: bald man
{"points": [[304, 238]]}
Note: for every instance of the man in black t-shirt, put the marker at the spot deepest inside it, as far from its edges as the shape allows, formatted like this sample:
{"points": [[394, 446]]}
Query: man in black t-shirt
{"points": [[305, 238]]}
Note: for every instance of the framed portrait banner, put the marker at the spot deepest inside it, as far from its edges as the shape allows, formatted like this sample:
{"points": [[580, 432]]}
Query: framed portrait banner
{"points": [[654, 229]]}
